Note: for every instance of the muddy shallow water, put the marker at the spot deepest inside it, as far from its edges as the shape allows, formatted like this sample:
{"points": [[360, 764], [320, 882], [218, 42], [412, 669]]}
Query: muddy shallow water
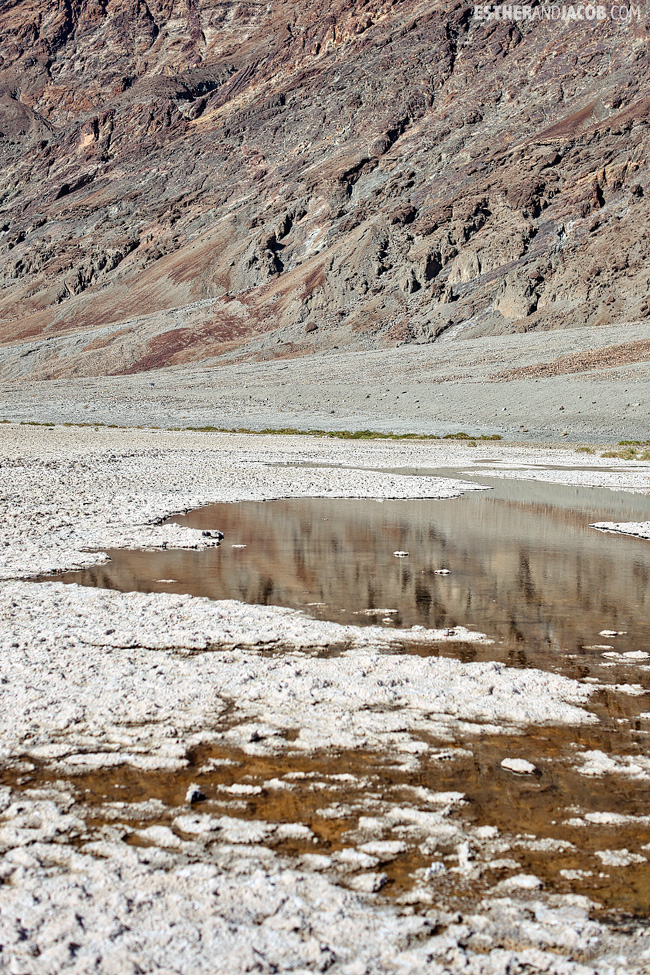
{"points": [[549, 820], [525, 568]]}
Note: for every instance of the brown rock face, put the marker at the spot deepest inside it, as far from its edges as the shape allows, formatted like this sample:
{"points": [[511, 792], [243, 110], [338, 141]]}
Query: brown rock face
{"points": [[181, 179]]}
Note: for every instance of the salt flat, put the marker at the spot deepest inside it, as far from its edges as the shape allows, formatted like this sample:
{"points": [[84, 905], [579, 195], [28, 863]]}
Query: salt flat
{"points": [[100, 686]]}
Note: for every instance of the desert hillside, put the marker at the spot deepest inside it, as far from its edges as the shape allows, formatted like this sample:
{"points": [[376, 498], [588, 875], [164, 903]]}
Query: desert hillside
{"points": [[188, 179]]}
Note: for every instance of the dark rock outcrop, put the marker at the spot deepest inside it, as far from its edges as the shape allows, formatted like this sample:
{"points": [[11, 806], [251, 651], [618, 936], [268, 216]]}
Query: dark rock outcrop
{"points": [[182, 179]]}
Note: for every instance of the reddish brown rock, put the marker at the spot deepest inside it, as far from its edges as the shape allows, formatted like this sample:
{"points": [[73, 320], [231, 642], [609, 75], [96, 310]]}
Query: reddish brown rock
{"points": [[186, 178]]}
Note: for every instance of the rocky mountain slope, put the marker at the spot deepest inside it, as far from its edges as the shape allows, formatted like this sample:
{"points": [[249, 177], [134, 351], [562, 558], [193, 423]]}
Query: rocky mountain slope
{"points": [[188, 179]]}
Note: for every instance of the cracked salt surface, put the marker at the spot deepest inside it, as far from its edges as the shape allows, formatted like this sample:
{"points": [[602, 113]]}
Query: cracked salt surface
{"points": [[59, 686], [114, 908], [132, 694]]}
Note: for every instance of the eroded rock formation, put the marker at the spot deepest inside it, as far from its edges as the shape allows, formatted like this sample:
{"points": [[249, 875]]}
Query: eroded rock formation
{"points": [[182, 179]]}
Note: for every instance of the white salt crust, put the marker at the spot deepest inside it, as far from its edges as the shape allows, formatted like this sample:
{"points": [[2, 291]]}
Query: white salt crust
{"points": [[206, 896], [109, 676], [637, 529], [634, 477], [91, 678]]}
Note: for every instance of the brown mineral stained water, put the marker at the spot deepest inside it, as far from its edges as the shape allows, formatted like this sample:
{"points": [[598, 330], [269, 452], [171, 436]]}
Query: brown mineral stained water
{"points": [[542, 807], [526, 569]]}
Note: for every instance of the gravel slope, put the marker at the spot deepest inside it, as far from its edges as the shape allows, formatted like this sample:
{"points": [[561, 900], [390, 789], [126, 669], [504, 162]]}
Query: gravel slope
{"points": [[526, 388]]}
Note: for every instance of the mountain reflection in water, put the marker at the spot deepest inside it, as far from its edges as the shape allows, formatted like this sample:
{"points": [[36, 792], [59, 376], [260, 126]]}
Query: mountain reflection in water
{"points": [[525, 567]]}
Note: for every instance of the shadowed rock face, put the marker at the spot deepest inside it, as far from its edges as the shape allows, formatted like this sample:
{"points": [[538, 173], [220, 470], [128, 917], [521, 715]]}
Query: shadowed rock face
{"points": [[182, 179]]}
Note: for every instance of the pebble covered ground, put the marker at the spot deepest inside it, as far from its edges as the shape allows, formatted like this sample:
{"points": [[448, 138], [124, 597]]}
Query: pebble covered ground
{"points": [[118, 709], [523, 390]]}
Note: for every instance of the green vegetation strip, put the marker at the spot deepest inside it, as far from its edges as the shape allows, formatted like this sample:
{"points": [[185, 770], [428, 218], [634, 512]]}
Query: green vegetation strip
{"points": [[628, 454], [629, 451], [284, 431], [344, 434]]}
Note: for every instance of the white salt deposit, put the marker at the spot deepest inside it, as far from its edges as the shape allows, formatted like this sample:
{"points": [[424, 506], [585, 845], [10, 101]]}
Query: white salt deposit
{"points": [[518, 765], [638, 529], [94, 680]]}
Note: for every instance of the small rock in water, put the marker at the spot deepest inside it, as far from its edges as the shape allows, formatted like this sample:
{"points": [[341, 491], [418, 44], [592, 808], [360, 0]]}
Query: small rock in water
{"points": [[194, 794], [611, 633], [238, 546], [369, 883], [400, 555], [518, 765], [442, 572]]}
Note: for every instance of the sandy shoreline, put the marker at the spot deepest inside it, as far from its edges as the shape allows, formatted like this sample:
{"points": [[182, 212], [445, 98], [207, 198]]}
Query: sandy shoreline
{"points": [[96, 682]]}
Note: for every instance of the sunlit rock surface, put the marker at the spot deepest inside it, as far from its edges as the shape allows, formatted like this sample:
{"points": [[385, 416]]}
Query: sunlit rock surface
{"points": [[186, 180]]}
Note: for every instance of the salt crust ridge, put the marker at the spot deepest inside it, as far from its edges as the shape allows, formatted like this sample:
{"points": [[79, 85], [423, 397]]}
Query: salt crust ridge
{"points": [[112, 908], [638, 529], [79, 665]]}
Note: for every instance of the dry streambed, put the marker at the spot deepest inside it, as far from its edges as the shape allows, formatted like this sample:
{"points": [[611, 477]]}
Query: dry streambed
{"points": [[359, 812]]}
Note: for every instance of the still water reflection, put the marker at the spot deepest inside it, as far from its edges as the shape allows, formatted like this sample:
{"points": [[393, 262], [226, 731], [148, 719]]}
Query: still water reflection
{"points": [[524, 565]]}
